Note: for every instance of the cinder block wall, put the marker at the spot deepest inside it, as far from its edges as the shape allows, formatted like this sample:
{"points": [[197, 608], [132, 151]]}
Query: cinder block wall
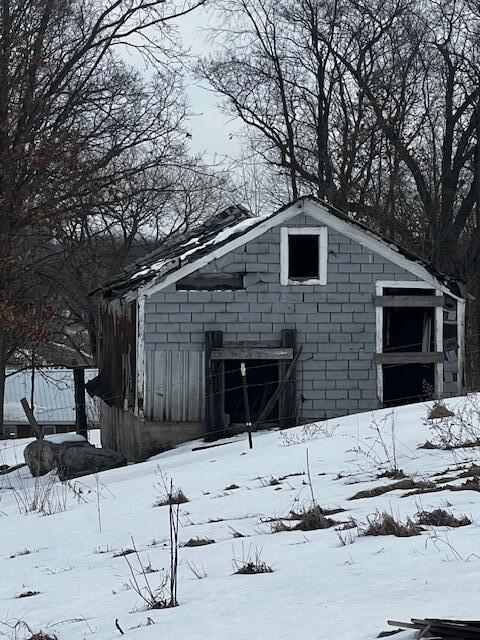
{"points": [[335, 322]]}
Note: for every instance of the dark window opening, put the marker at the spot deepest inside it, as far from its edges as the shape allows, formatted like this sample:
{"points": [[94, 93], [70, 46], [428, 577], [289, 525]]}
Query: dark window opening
{"points": [[303, 257], [262, 380], [393, 291], [408, 329], [211, 282], [407, 383]]}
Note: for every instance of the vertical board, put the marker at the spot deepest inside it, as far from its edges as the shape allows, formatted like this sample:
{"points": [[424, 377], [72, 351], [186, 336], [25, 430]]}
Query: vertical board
{"points": [[175, 386]]}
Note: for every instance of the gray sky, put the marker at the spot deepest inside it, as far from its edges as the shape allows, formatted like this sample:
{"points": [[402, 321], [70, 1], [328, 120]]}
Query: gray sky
{"points": [[212, 131]]}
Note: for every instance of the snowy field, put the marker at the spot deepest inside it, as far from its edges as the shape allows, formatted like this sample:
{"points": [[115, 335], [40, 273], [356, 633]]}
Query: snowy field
{"points": [[325, 584]]}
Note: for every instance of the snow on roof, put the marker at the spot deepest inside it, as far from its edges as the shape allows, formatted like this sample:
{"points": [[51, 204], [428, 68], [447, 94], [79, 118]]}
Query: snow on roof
{"points": [[183, 248], [177, 251], [54, 401]]}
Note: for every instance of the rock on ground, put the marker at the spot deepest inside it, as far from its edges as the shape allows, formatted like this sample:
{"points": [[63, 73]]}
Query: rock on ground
{"points": [[71, 459]]}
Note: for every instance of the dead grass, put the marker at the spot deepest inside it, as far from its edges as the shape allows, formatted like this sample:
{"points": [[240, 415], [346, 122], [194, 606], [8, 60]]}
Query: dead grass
{"points": [[123, 552], [406, 484], [384, 524], [312, 519], [198, 542], [439, 410], [41, 635], [251, 563], [441, 518], [393, 474], [174, 497], [308, 520], [252, 568]]}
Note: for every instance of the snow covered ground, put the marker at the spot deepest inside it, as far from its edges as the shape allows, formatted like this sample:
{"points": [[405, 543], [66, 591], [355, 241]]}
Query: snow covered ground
{"points": [[319, 587]]}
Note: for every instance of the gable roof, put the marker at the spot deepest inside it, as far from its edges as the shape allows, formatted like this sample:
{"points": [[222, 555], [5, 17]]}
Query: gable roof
{"points": [[183, 254]]}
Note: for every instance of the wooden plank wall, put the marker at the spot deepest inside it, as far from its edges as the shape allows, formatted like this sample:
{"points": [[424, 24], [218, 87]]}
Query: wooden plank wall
{"points": [[175, 386]]}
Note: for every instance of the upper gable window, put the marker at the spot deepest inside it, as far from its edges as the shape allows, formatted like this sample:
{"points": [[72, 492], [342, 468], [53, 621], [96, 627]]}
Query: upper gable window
{"points": [[303, 255]]}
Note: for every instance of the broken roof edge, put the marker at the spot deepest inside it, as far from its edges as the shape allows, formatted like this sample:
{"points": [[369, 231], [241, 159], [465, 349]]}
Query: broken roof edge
{"points": [[228, 237], [137, 273]]}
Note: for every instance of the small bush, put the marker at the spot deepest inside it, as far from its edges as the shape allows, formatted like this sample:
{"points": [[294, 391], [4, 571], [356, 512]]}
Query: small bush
{"points": [[384, 524], [441, 518], [28, 594], [312, 519], [251, 565], [174, 497], [439, 410], [231, 487], [236, 534], [198, 542], [41, 635]]}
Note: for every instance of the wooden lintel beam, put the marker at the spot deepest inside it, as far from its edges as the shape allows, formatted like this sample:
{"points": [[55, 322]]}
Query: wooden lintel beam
{"points": [[410, 301], [410, 357], [252, 353]]}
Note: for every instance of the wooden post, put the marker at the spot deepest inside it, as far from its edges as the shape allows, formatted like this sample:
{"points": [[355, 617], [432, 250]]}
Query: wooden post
{"points": [[248, 421], [31, 419], [80, 405], [288, 399], [214, 386]]}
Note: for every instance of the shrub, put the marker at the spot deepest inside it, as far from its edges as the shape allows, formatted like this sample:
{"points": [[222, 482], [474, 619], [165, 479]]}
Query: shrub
{"points": [[384, 524], [28, 594], [441, 518], [312, 519]]}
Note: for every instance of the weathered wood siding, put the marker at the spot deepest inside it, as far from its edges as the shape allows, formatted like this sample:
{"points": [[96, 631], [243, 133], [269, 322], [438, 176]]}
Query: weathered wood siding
{"points": [[117, 354], [175, 386]]}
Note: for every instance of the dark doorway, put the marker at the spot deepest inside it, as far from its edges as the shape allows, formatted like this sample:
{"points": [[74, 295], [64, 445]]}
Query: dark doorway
{"points": [[407, 383], [262, 380], [408, 329]]}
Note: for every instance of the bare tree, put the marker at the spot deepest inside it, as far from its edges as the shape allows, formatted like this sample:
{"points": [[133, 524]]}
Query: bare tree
{"points": [[75, 122]]}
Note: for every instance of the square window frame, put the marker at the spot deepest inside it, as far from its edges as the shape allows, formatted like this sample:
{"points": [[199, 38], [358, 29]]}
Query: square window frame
{"points": [[322, 233]]}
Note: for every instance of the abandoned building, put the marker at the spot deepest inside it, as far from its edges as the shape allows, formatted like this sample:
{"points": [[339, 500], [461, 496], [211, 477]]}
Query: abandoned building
{"points": [[328, 318]]}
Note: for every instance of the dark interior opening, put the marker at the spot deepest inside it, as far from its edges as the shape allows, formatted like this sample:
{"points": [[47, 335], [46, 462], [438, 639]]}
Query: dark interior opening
{"points": [[303, 257], [406, 383], [262, 380], [408, 329], [402, 291]]}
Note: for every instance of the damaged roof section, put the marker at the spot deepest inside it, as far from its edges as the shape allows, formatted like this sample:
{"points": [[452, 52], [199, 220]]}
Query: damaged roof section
{"points": [[184, 248]]}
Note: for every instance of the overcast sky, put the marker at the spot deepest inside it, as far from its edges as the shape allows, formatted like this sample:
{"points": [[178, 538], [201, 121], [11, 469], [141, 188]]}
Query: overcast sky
{"points": [[212, 131]]}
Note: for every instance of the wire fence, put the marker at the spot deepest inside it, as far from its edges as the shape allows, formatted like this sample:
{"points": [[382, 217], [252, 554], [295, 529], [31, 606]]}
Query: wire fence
{"points": [[329, 375]]}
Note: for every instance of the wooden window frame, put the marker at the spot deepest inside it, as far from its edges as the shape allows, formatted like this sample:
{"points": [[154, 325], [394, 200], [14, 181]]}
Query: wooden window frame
{"points": [[322, 234], [438, 321]]}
